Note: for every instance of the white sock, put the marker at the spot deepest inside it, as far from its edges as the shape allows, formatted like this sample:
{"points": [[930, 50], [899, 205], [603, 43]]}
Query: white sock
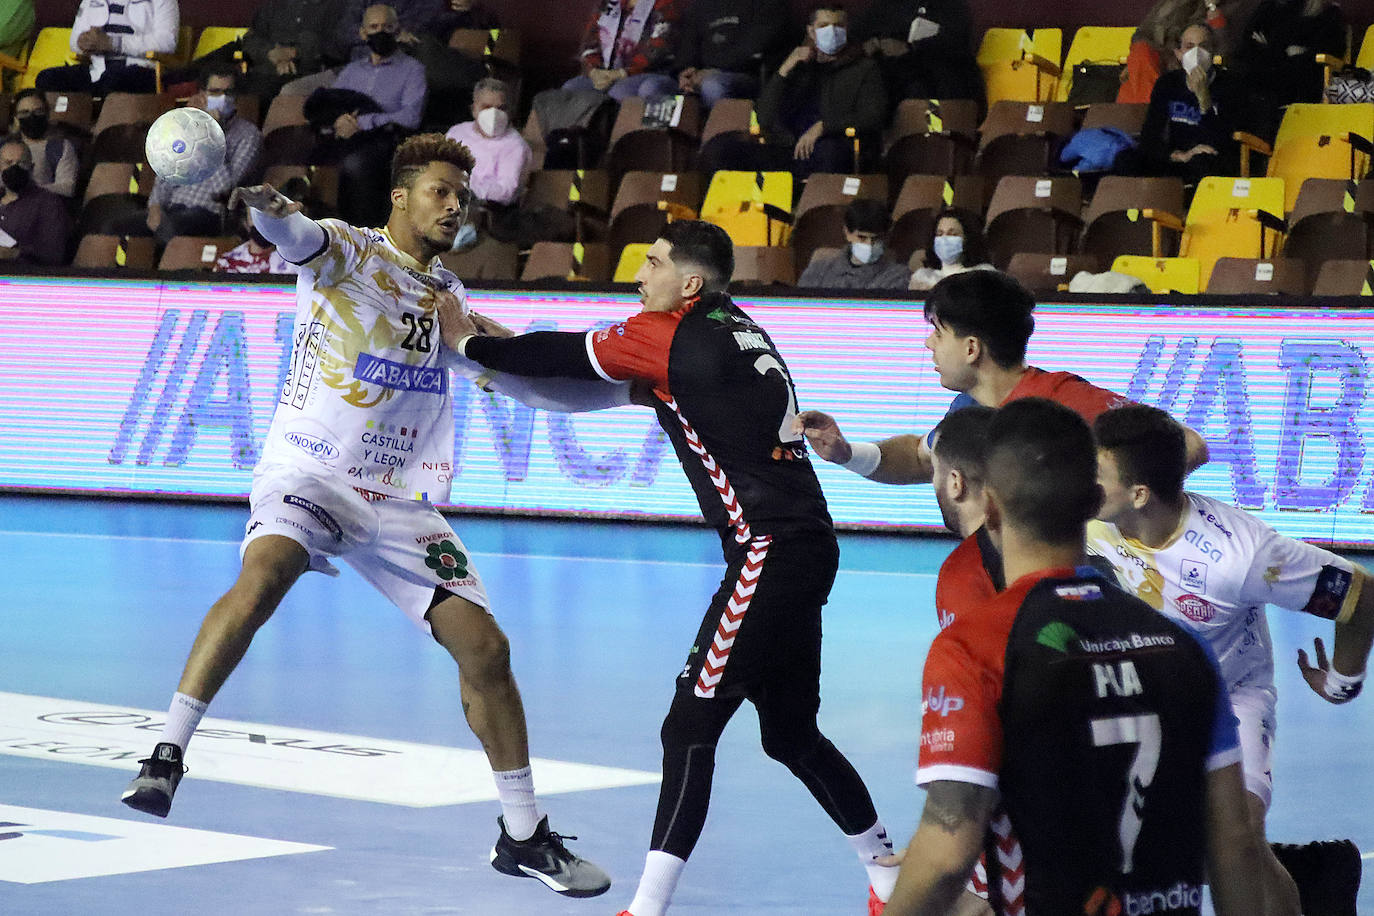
{"points": [[515, 788], [656, 885], [869, 845], [182, 719]]}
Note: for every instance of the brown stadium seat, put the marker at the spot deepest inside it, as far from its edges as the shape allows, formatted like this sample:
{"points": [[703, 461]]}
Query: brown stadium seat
{"points": [[764, 265], [487, 260], [1048, 273], [1114, 223], [583, 193], [1252, 276], [287, 137], [323, 199], [931, 137], [635, 145], [71, 112], [646, 201], [819, 218], [1022, 138], [1128, 118], [115, 193], [113, 251], [1345, 278], [1330, 222], [195, 252], [920, 201], [123, 123], [1033, 214], [565, 261]]}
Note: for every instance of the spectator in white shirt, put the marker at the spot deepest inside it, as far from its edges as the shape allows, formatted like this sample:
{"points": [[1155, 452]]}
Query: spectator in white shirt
{"points": [[115, 36]]}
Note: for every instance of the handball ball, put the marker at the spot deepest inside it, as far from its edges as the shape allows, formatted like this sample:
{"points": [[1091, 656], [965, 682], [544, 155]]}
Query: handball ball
{"points": [[185, 146]]}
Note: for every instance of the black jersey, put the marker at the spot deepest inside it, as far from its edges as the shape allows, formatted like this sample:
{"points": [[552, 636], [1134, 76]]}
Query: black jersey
{"points": [[727, 403]]}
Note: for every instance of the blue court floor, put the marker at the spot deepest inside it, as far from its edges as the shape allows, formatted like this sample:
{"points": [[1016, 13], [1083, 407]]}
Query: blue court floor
{"points": [[332, 786]]}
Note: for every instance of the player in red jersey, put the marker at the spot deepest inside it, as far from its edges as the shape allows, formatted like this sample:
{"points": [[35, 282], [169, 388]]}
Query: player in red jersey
{"points": [[980, 322], [1102, 726]]}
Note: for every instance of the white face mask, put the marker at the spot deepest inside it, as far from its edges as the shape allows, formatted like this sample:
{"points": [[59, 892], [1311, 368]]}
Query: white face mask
{"points": [[1197, 58], [866, 252], [493, 121], [949, 248], [830, 38], [222, 105]]}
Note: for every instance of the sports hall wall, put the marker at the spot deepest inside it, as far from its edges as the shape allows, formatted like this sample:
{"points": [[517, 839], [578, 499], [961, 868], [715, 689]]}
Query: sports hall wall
{"points": [[166, 387]]}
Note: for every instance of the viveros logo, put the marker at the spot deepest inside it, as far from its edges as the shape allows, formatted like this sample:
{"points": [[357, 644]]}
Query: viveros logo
{"points": [[1182, 896], [313, 446]]}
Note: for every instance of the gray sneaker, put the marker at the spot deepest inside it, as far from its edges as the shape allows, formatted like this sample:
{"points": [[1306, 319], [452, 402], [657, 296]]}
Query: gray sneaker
{"points": [[544, 856], [152, 789]]}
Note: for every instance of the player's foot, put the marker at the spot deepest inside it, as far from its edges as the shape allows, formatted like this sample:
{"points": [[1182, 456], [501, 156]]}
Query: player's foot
{"points": [[875, 905], [152, 789], [544, 856], [1327, 875]]}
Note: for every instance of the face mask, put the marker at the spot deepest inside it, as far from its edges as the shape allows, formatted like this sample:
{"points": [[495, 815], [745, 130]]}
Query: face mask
{"points": [[467, 234], [383, 44], [222, 105], [16, 178], [830, 38], [866, 252], [34, 126], [1197, 58], [493, 121], [949, 248]]}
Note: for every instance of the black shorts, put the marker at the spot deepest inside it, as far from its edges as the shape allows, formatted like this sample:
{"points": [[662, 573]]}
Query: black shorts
{"points": [[763, 627]]}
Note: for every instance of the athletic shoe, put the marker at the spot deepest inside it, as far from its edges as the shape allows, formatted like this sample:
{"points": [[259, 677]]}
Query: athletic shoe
{"points": [[1327, 875], [544, 856], [152, 789], [875, 906]]}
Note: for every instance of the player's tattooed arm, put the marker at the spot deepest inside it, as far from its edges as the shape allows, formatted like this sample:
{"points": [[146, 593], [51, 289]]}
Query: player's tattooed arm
{"points": [[942, 853]]}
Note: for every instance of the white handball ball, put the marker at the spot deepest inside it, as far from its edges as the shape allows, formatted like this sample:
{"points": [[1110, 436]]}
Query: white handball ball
{"points": [[185, 146]]}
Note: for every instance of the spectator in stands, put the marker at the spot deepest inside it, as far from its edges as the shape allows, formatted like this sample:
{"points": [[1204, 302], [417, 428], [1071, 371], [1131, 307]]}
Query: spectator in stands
{"points": [[286, 41], [380, 98], [257, 255], [956, 245], [503, 157], [1277, 54], [723, 44], [825, 86], [1154, 40], [864, 263], [924, 47], [55, 160], [464, 14], [412, 20], [35, 227], [198, 209], [1193, 113], [115, 38], [17, 20], [627, 50]]}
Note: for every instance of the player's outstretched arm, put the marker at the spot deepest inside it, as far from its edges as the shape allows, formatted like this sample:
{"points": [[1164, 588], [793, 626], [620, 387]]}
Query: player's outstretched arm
{"points": [[943, 851], [1233, 855], [898, 460], [279, 218]]}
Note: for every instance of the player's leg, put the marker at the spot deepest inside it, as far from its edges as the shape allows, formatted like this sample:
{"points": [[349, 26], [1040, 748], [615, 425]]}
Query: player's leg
{"points": [[1255, 717]]}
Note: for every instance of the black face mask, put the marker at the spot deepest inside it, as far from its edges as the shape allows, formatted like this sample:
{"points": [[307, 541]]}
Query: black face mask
{"points": [[16, 178], [34, 126], [383, 44]]}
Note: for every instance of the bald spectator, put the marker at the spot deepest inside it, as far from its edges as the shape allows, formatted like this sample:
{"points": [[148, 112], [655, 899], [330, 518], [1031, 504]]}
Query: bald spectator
{"points": [[115, 37], [34, 225], [413, 18]]}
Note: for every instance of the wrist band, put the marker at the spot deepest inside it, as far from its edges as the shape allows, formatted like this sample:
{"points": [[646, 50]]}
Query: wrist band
{"points": [[1342, 687], [865, 458], [462, 347]]}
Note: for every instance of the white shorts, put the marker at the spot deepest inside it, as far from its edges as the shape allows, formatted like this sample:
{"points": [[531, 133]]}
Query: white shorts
{"points": [[1254, 708], [404, 548]]}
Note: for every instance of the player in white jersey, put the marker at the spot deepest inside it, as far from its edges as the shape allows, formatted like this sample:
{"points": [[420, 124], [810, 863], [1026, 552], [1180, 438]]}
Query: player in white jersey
{"points": [[1214, 567], [359, 449]]}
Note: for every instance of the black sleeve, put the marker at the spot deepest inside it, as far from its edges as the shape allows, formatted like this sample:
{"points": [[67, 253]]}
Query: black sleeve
{"points": [[539, 354]]}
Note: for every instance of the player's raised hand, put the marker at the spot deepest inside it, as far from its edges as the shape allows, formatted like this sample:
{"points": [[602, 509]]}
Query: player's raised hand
{"points": [[453, 324], [824, 434], [490, 326], [1316, 675], [266, 198]]}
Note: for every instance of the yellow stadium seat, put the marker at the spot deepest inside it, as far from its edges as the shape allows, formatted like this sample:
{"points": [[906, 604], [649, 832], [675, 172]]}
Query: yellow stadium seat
{"points": [[52, 48], [631, 257], [1315, 141], [1020, 66], [1365, 59], [214, 37], [1161, 275], [1094, 44], [1233, 217], [749, 211]]}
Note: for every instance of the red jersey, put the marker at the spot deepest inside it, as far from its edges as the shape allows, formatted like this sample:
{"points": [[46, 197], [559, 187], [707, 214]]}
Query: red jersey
{"points": [[1073, 391], [970, 577]]}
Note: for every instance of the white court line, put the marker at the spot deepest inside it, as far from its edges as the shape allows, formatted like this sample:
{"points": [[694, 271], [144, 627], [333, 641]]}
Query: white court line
{"points": [[476, 553]]}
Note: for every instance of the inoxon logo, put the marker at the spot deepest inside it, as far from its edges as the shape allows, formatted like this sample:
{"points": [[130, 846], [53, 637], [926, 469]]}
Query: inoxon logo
{"points": [[313, 446]]}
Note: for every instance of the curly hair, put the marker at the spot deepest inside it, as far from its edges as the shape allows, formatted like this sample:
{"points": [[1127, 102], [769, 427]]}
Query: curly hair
{"points": [[415, 154]]}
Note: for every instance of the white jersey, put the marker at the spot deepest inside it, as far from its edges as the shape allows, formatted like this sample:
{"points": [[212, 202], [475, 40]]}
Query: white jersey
{"points": [[1216, 574], [368, 397]]}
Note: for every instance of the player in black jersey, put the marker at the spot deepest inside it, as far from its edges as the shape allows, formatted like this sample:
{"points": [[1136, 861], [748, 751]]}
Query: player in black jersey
{"points": [[1102, 726], [723, 394]]}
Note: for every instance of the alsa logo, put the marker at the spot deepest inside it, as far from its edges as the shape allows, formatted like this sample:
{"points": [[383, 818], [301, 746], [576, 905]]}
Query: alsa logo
{"points": [[315, 447], [1203, 543], [940, 702]]}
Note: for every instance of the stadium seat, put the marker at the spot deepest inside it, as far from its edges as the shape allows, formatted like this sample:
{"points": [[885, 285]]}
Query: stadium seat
{"points": [[1126, 117], [920, 200], [214, 37], [489, 259], [763, 265], [1345, 278], [122, 125], [564, 261], [195, 252], [819, 219], [637, 144], [287, 137], [114, 251], [1048, 273], [323, 199], [1022, 138], [1252, 276], [1330, 221], [1094, 45], [647, 201], [116, 193], [631, 257], [72, 112], [1161, 275], [1315, 141], [730, 116], [1233, 217], [931, 137], [755, 208], [1020, 66], [51, 48], [499, 49], [583, 193], [1033, 214], [1115, 224]]}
